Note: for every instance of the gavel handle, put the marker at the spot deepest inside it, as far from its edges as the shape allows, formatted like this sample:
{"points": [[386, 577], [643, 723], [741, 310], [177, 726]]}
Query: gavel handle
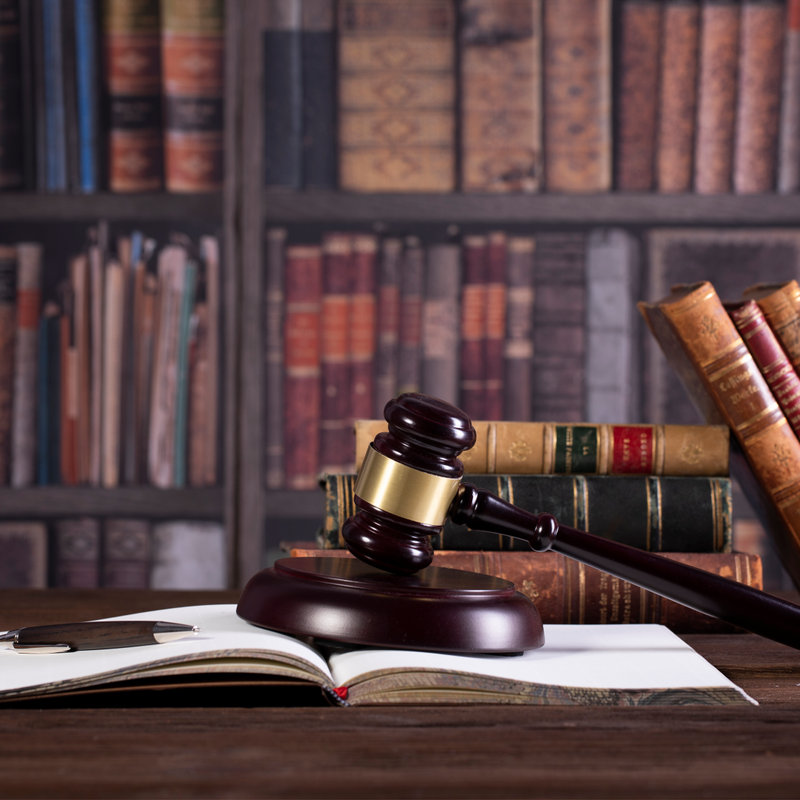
{"points": [[703, 591]]}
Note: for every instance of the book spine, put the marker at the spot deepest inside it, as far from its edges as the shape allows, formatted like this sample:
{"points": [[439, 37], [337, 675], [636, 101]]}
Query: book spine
{"points": [[23, 431], [112, 374], [388, 322], [68, 392], [397, 115], [192, 49], [25, 555], [302, 334], [182, 373], [12, 133], [283, 96], [577, 64], [789, 132], [702, 343], [409, 360], [198, 431], [87, 89], [54, 107], [654, 513], [76, 562], [8, 326], [472, 326], [440, 323], [188, 555], [30, 85], [496, 309], [568, 592], [677, 107], [771, 359], [319, 94], [362, 331], [759, 98], [716, 100], [335, 398], [589, 448], [78, 269], [48, 398], [500, 112], [132, 50], [781, 307], [518, 347], [275, 251], [637, 60], [126, 553], [210, 252]]}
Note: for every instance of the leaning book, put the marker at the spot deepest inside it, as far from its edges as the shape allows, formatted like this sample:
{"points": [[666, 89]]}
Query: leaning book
{"points": [[578, 665]]}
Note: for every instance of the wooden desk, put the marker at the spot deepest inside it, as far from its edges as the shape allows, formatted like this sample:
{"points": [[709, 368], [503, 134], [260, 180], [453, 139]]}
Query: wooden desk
{"points": [[460, 752]]}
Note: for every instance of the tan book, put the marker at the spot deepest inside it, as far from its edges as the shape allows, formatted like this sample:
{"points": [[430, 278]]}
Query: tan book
{"points": [[397, 95], [501, 113], [516, 448], [24, 549], [112, 373], [577, 95]]}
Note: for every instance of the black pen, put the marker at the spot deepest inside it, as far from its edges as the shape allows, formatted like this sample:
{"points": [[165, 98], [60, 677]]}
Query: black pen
{"points": [[93, 635]]}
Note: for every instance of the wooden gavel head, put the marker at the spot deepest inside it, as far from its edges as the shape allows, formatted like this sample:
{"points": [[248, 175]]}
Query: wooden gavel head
{"points": [[407, 482]]}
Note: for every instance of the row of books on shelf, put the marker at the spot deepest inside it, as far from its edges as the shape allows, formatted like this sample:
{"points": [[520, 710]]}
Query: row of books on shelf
{"points": [[112, 94], [120, 553], [532, 95], [353, 319], [114, 379]]}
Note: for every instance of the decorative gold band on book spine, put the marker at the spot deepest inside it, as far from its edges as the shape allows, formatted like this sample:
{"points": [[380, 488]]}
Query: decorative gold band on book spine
{"points": [[403, 491]]}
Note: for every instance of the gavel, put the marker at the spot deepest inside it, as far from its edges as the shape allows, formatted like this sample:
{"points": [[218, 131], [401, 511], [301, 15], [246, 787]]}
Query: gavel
{"points": [[411, 481]]}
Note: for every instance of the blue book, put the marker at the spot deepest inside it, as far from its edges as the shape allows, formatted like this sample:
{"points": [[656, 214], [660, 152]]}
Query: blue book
{"points": [[54, 110], [86, 74]]}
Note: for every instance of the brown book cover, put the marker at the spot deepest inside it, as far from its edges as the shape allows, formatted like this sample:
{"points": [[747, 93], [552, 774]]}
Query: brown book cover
{"points": [[192, 49], [732, 260], [501, 113], [397, 95], [716, 96], [496, 302], [335, 400], [637, 63], [25, 553], [599, 448], [703, 346], [568, 592], [81, 325], [29, 300], [472, 326], [8, 328], [780, 303], [132, 58], [68, 377], [518, 345], [126, 553], [209, 249], [388, 321], [677, 106], [302, 346], [577, 95], [76, 553], [362, 330], [412, 283], [789, 131], [200, 433], [759, 98]]}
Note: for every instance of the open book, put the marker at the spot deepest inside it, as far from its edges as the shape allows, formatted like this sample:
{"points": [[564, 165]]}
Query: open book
{"points": [[578, 665]]}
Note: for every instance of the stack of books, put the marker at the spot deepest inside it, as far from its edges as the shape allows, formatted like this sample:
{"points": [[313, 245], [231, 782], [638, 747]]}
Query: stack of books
{"points": [[661, 488]]}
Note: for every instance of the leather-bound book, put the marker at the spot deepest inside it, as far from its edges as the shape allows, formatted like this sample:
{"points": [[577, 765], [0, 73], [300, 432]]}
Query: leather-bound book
{"points": [[677, 106], [132, 55], [705, 349], [192, 48], [716, 100], [789, 132], [759, 99], [127, 553], [25, 555], [388, 321], [334, 412], [412, 285], [362, 329], [770, 357], [577, 95], [472, 326], [652, 512], [494, 343], [397, 95], [501, 113], [76, 553], [518, 348], [637, 64], [12, 140], [780, 303], [301, 398]]}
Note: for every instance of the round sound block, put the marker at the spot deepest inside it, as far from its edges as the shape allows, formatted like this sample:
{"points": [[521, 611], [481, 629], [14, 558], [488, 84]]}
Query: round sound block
{"points": [[345, 600]]}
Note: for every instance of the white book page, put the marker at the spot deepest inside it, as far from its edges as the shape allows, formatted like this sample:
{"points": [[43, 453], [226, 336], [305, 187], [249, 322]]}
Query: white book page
{"points": [[221, 632], [588, 656]]}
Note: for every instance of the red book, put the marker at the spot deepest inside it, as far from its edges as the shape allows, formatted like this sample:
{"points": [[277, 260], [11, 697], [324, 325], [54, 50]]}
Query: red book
{"points": [[494, 345], [473, 326], [362, 328], [302, 365], [770, 357]]}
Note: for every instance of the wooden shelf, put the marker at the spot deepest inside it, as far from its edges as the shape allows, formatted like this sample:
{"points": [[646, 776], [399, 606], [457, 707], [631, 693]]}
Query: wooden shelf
{"points": [[630, 209], [156, 207], [49, 502]]}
